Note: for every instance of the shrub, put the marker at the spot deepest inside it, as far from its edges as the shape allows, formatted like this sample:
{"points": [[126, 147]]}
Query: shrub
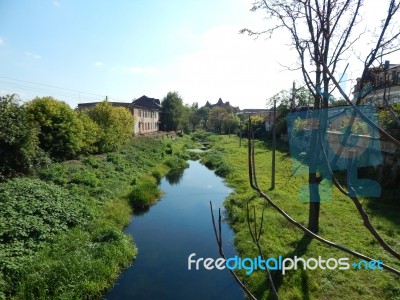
{"points": [[145, 193], [32, 212], [61, 132], [115, 123], [18, 139]]}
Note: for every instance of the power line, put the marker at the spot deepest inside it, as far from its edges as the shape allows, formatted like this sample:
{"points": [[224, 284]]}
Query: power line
{"points": [[53, 90]]}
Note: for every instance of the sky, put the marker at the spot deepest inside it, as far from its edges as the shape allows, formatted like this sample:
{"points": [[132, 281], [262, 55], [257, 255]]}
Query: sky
{"points": [[83, 51]]}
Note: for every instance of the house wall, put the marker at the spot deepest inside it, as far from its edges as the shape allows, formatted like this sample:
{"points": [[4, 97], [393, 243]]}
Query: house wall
{"points": [[146, 120]]}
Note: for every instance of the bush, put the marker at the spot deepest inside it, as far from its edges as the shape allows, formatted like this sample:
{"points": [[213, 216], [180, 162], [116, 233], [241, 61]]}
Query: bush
{"points": [[18, 140], [32, 212], [61, 132], [145, 193], [115, 123]]}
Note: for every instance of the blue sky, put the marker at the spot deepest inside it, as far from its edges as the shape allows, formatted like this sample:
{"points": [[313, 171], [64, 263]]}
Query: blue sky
{"points": [[126, 49]]}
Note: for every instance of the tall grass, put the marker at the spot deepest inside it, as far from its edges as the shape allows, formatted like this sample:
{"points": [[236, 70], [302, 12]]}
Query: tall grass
{"points": [[339, 222], [145, 193]]}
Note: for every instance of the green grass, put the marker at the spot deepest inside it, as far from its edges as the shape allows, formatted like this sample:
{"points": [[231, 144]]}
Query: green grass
{"points": [[145, 193], [339, 222], [61, 233]]}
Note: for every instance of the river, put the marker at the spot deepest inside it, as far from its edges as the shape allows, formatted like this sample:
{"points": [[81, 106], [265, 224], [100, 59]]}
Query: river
{"points": [[167, 233]]}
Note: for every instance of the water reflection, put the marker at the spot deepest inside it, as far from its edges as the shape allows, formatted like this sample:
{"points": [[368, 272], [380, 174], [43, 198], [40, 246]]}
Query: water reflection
{"points": [[175, 176]]}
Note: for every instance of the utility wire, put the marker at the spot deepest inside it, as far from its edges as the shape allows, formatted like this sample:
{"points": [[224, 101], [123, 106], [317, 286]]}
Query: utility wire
{"points": [[76, 95]]}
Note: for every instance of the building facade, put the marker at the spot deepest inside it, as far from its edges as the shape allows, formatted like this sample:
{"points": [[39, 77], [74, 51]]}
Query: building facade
{"points": [[147, 115], [145, 110], [380, 83]]}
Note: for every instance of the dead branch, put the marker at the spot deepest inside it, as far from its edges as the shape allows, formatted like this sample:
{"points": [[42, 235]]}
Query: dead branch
{"points": [[251, 164], [218, 237], [255, 236]]}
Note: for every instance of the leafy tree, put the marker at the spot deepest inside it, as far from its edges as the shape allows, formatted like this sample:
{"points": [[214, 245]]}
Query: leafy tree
{"points": [[91, 132], [172, 110], [203, 113], [115, 123], [60, 130], [258, 126], [18, 139], [194, 116], [216, 118], [231, 123]]}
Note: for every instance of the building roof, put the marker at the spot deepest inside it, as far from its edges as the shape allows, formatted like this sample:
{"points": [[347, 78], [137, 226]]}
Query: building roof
{"points": [[143, 102], [92, 104], [221, 103], [146, 102]]}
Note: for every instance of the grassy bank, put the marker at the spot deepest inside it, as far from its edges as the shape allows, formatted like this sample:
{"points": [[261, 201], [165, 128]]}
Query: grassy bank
{"points": [[339, 222], [61, 232]]}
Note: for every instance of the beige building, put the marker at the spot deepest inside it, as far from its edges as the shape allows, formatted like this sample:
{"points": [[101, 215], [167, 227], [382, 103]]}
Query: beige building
{"points": [[147, 114], [145, 110]]}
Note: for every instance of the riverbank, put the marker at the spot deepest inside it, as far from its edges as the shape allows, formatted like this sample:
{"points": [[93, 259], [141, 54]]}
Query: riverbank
{"points": [[339, 222], [61, 232]]}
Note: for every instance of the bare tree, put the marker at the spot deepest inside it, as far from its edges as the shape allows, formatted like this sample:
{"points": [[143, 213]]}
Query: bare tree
{"points": [[323, 34]]}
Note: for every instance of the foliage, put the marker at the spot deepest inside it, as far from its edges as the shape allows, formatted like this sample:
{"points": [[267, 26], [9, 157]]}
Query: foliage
{"points": [[115, 123], [91, 132], [258, 126], [387, 122], [221, 120], [18, 139], [172, 109], [145, 193], [358, 127], [284, 99], [74, 221], [203, 113], [33, 212], [61, 132]]}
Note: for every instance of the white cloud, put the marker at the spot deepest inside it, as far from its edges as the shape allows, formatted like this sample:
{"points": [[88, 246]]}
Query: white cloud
{"points": [[98, 64], [56, 3], [1, 41], [141, 70], [32, 55]]}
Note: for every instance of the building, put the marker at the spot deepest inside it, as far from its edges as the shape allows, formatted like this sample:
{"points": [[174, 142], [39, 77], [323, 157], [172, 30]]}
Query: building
{"points": [[222, 104], [147, 114], [380, 83], [145, 110]]}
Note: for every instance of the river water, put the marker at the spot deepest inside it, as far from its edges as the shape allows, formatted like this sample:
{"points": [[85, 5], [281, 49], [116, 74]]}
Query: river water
{"points": [[177, 226]]}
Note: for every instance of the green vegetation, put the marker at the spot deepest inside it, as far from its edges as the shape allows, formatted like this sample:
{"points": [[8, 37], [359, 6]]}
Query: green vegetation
{"points": [[18, 140], [145, 193], [60, 129], [46, 129], [61, 233], [339, 222], [173, 112], [115, 125]]}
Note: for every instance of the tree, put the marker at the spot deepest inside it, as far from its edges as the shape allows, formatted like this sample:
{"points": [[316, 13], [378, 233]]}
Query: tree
{"points": [[115, 123], [18, 139], [216, 118], [60, 129], [231, 123], [194, 116], [172, 110], [203, 113], [321, 34]]}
